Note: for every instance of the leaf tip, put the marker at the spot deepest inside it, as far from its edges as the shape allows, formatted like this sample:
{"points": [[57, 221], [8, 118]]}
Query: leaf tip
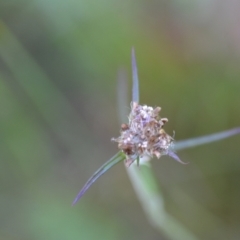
{"points": [[175, 157], [80, 194]]}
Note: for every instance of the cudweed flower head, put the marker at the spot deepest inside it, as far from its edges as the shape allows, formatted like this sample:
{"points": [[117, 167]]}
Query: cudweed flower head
{"points": [[144, 136]]}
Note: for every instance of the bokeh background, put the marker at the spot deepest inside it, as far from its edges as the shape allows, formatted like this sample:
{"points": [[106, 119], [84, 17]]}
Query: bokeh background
{"points": [[58, 111]]}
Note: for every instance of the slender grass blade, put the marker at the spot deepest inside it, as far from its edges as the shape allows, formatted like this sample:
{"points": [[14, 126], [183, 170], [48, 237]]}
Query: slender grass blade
{"points": [[119, 157]]}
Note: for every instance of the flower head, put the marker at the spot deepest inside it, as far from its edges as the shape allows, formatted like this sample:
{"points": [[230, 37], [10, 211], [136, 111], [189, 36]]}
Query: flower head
{"points": [[144, 135]]}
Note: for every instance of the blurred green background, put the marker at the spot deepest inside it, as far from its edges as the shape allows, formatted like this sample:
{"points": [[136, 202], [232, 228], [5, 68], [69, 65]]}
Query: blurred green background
{"points": [[58, 111]]}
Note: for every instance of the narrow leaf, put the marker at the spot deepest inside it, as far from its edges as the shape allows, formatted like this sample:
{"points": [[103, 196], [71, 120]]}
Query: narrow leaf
{"points": [[135, 87], [193, 142], [119, 157]]}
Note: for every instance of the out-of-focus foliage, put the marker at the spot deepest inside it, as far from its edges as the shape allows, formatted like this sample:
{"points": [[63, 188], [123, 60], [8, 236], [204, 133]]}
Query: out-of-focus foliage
{"points": [[58, 112]]}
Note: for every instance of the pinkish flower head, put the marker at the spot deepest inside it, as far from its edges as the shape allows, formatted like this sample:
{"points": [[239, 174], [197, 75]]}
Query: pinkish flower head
{"points": [[144, 135]]}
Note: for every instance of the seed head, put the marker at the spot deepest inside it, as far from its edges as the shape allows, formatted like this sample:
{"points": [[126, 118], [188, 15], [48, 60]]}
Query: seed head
{"points": [[144, 134]]}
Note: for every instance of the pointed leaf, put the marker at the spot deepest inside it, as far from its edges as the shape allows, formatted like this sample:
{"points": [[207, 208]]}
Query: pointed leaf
{"points": [[119, 157], [135, 87], [193, 142]]}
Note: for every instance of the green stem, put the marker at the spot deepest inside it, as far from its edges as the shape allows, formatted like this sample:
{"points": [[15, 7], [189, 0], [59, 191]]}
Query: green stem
{"points": [[146, 189]]}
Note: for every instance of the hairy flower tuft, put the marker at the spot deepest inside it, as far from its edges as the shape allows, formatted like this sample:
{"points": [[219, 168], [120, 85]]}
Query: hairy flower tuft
{"points": [[144, 135]]}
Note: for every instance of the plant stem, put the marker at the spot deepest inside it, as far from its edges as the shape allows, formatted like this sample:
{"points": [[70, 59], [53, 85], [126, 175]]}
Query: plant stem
{"points": [[147, 191]]}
